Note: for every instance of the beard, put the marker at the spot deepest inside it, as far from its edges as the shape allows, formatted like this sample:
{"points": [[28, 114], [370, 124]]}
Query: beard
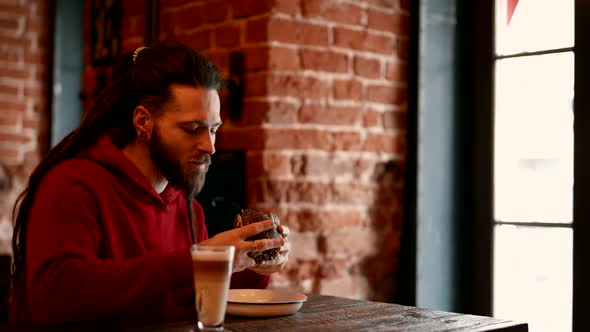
{"points": [[178, 174]]}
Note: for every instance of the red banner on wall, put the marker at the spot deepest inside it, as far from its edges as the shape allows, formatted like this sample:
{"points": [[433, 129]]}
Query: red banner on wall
{"points": [[511, 7]]}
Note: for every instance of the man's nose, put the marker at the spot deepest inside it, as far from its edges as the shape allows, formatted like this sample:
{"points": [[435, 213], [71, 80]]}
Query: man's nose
{"points": [[206, 143]]}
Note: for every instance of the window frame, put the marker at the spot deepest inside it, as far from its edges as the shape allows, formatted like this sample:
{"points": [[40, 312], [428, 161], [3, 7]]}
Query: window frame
{"points": [[481, 51]]}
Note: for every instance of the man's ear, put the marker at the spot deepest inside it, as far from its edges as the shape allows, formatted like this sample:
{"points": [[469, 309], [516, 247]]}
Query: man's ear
{"points": [[143, 121]]}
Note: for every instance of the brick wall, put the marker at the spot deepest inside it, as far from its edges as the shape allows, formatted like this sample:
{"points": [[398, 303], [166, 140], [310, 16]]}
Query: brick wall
{"points": [[324, 121], [324, 125], [25, 48]]}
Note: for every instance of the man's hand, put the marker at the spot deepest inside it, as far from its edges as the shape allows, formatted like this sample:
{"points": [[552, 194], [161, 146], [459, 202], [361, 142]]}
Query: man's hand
{"points": [[237, 238], [277, 264]]}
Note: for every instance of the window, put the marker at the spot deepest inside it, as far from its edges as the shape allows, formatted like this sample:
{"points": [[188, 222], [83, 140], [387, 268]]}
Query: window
{"points": [[533, 163]]}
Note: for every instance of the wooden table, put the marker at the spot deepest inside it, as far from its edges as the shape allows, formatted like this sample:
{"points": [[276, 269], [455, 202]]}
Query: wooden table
{"points": [[328, 313]]}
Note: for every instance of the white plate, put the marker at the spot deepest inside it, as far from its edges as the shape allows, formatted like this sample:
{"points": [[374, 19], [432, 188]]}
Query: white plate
{"points": [[263, 302]]}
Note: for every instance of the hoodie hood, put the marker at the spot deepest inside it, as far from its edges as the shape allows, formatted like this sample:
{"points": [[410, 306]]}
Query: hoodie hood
{"points": [[105, 153]]}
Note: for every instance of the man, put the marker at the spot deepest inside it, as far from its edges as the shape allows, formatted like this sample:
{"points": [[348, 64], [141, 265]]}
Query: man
{"points": [[104, 227]]}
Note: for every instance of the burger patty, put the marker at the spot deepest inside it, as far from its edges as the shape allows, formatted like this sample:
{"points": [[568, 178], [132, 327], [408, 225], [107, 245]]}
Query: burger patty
{"points": [[248, 216]]}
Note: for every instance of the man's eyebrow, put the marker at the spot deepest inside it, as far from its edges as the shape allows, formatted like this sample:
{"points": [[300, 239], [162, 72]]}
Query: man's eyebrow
{"points": [[202, 123]]}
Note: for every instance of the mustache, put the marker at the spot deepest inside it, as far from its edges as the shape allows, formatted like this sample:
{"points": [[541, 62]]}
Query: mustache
{"points": [[204, 159]]}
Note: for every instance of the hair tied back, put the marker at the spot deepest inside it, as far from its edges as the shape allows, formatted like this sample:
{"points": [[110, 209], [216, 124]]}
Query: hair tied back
{"points": [[136, 53]]}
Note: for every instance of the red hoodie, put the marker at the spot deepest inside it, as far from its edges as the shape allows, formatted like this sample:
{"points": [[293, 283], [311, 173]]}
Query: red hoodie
{"points": [[102, 244]]}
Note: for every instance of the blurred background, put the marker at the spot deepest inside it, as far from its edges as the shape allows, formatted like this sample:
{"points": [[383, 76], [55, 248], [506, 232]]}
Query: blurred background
{"points": [[422, 152]]}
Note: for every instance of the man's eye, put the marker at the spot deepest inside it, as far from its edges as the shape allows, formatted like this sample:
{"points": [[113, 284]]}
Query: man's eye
{"points": [[190, 130]]}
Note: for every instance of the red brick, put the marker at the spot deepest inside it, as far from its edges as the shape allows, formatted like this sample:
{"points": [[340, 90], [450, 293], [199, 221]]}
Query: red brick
{"points": [[9, 120], [227, 36], [282, 58], [277, 191], [351, 193], [14, 8], [365, 67], [256, 58], [214, 12], [401, 25], [363, 40], [14, 138], [41, 73], [390, 22], [259, 112], [199, 40], [332, 115], [350, 242], [275, 58], [16, 72], [386, 94], [297, 86], [257, 30], [317, 165], [11, 54], [9, 89], [303, 265], [332, 11], [267, 164], [347, 89], [290, 7], [348, 286], [305, 260], [395, 120], [381, 20], [403, 48], [31, 123], [298, 139], [324, 61], [15, 42], [32, 154], [396, 71], [380, 143], [287, 31], [379, 44], [9, 153], [344, 37], [313, 34], [37, 58], [240, 138], [285, 85], [345, 141], [308, 220], [12, 106], [186, 18], [335, 268], [371, 118], [10, 22], [385, 3], [299, 33], [255, 85], [247, 8]]}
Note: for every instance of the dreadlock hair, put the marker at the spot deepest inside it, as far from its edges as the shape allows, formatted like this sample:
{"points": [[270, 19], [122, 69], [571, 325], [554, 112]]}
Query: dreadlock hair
{"points": [[142, 77]]}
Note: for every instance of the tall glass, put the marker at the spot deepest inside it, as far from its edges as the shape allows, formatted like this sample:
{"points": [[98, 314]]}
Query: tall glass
{"points": [[212, 268]]}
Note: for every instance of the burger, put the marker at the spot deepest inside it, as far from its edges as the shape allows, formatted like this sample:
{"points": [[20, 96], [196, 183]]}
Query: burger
{"points": [[248, 216]]}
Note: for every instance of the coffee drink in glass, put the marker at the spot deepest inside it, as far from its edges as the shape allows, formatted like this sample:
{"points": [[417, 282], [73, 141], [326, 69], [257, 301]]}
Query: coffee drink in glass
{"points": [[212, 268]]}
